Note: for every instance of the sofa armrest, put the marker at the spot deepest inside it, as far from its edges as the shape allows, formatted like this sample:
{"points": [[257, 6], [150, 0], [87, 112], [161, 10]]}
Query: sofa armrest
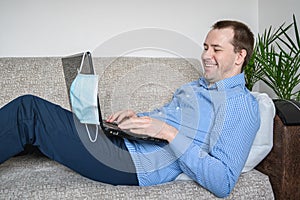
{"points": [[283, 163]]}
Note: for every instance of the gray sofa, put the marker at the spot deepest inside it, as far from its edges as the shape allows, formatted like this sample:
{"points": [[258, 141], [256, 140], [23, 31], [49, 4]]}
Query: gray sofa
{"points": [[138, 83]]}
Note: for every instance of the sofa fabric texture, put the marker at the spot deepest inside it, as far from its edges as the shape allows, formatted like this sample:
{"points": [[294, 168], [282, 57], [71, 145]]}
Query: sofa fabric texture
{"points": [[126, 82]]}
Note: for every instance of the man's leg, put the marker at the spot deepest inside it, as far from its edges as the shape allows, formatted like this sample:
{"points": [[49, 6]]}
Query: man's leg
{"points": [[54, 130]]}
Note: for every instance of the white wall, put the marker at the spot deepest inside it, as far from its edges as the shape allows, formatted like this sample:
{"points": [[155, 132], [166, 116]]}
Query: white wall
{"points": [[62, 27], [275, 12]]}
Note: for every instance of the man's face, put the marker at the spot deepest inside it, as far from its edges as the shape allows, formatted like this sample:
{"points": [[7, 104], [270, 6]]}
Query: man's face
{"points": [[218, 58]]}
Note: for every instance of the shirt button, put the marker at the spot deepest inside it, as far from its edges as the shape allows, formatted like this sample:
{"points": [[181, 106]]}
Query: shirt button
{"points": [[177, 108]]}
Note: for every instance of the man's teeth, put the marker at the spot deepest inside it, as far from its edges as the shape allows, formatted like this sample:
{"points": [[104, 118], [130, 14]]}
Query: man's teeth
{"points": [[210, 65]]}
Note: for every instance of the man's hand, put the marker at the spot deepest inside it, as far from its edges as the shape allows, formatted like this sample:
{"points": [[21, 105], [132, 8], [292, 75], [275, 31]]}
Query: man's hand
{"points": [[143, 125], [120, 116]]}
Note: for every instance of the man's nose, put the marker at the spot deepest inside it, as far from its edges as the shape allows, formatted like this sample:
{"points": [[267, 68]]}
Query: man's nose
{"points": [[207, 54]]}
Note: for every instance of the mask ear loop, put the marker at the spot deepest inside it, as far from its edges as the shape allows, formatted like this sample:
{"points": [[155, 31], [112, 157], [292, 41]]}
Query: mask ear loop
{"points": [[82, 60], [86, 126], [87, 129]]}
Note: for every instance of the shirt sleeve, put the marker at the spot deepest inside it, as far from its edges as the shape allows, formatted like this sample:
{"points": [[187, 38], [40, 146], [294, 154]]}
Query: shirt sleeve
{"points": [[231, 138]]}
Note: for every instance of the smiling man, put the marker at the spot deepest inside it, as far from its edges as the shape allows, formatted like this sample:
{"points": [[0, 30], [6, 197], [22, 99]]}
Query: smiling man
{"points": [[212, 134], [209, 126]]}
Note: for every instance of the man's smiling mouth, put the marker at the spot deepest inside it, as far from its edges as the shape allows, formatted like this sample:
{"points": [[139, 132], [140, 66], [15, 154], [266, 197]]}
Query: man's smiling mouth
{"points": [[209, 64]]}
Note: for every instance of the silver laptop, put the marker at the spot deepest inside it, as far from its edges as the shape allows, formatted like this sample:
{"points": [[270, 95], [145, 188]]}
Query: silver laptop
{"points": [[71, 64]]}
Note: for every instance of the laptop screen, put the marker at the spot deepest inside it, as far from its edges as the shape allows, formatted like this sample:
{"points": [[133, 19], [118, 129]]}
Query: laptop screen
{"points": [[71, 65]]}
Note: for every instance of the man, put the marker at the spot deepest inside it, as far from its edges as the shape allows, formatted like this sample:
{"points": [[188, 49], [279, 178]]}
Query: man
{"points": [[209, 124]]}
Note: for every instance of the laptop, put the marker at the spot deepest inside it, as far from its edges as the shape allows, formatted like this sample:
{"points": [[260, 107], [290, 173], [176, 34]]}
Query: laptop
{"points": [[71, 65]]}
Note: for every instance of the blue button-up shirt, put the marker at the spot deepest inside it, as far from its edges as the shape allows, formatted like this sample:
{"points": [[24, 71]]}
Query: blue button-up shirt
{"points": [[216, 127]]}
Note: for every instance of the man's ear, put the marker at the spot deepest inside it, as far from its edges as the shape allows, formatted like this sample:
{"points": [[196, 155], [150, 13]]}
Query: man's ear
{"points": [[241, 57]]}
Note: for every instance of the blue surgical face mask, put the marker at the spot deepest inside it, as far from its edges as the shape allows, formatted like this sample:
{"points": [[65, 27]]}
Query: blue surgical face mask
{"points": [[83, 95]]}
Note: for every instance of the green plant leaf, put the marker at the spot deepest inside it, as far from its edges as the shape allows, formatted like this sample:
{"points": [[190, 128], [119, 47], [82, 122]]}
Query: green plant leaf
{"points": [[296, 31]]}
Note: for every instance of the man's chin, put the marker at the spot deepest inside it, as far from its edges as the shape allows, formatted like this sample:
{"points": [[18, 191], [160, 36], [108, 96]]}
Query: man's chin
{"points": [[207, 76]]}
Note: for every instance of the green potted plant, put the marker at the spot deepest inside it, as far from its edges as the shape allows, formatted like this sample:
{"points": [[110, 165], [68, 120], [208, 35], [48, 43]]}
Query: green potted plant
{"points": [[276, 61]]}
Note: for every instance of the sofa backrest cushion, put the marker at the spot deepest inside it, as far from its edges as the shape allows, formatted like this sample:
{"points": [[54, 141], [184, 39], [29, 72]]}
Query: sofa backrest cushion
{"points": [[41, 76], [141, 84]]}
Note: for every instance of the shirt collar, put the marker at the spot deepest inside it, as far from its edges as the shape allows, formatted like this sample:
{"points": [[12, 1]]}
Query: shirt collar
{"points": [[225, 83]]}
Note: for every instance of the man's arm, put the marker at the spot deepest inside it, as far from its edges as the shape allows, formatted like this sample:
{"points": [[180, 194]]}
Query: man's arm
{"points": [[219, 168]]}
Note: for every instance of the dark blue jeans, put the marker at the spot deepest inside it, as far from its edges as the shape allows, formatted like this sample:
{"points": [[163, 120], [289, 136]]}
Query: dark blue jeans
{"points": [[59, 135]]}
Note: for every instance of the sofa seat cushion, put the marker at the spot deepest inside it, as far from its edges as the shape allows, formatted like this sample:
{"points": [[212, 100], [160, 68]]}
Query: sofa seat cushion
{"points": [[37, 177]]}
